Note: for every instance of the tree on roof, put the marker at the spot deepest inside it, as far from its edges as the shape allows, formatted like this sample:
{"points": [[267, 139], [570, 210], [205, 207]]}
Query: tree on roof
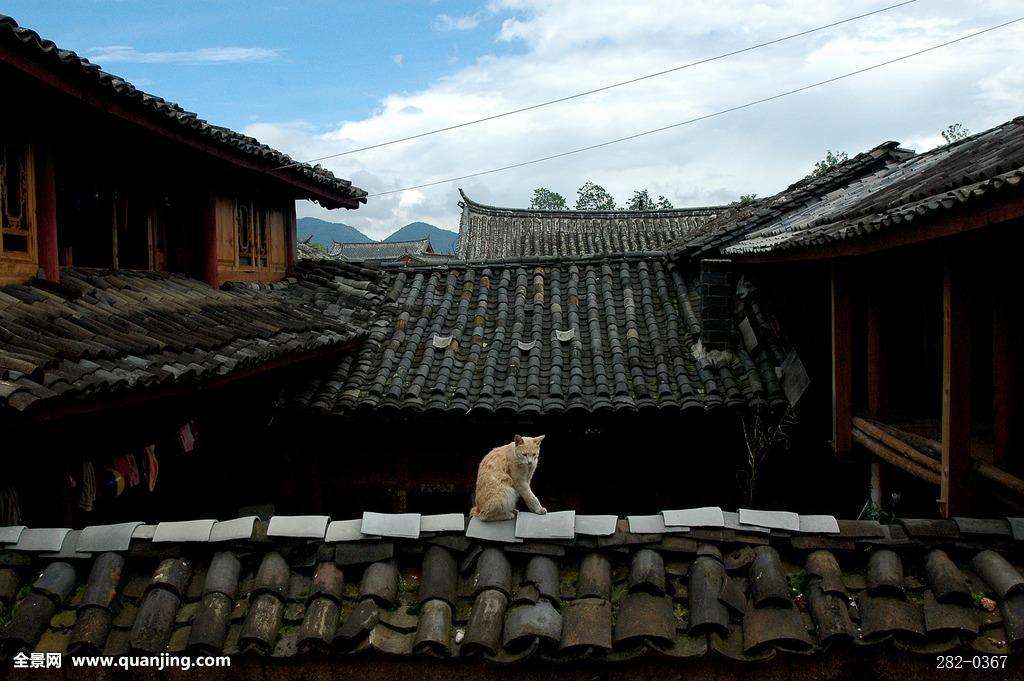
{"points": [[545, 199], [831, 160], [641, 201], [593, 196], [955, 133]]}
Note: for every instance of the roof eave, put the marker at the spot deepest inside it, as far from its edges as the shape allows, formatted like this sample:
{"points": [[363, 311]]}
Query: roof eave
{"points": [[68, 84]]}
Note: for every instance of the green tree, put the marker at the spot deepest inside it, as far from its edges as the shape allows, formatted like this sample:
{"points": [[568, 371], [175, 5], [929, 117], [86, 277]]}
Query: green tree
{"points": [[955, 133], [545, 199], [745, 199], [593, 196], [831, 160], [663, 203], [641, 201]]}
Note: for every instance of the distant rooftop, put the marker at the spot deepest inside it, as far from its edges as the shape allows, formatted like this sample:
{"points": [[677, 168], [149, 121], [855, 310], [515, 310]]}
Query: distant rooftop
{"points": [[380, 250], [489, 232]]}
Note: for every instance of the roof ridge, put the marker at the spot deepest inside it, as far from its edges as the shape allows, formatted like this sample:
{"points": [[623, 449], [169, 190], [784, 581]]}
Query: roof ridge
{"points": [[624, 212]]}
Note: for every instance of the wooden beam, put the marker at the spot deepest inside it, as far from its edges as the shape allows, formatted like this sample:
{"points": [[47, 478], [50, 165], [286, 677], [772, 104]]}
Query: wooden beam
{"points": [[894, 458], [46, 212], [918, 453], [842, 378], [954, 494], [1003, 371], [957, 221]]}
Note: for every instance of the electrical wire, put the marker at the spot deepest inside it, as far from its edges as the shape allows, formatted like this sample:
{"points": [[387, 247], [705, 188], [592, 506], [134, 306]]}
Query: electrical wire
{"points": [[603, 88], [738, 107]]}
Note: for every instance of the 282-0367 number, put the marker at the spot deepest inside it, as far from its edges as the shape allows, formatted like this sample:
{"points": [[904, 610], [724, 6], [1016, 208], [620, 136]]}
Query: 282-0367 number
{"points": [[976, 662]]}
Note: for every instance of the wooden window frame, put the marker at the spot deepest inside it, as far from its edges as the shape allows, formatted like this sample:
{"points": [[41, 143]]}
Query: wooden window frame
{"points": [[257, 256], [28, 207]]}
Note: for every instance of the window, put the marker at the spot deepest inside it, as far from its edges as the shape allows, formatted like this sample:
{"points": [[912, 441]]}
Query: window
{"points": [[246, 238], [14, 198], [253, 235], [263, 235]]}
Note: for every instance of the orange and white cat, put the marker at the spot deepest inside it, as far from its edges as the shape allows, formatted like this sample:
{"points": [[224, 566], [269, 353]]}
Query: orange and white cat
{"points": [[504, 476]]}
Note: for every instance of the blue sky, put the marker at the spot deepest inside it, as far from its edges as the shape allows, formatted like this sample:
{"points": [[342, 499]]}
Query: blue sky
{"points": [[318, 61], [315, 78]]}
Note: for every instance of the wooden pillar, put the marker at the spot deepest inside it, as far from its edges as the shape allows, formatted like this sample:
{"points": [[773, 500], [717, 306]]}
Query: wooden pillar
{"points": [[876, 374], [211, 275], [290, 235], [46, 213], [954, 495], [1003, 372], [842, 383]]}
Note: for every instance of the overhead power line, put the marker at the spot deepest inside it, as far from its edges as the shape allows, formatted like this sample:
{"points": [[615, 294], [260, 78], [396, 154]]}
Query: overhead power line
{"points": [[738, 107], [603, 88]]}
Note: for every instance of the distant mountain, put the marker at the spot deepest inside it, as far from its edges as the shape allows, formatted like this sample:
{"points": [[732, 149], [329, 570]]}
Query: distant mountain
{"points": [[442, 240], [326, 233]]}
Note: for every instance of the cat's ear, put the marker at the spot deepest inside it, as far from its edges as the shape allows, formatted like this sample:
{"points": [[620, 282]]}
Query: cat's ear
{"points": [[539, 439], [519, 439]]}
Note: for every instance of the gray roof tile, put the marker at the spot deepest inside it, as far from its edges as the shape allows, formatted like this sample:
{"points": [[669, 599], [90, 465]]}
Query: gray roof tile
{"points": [[233, 530], [551, 525], [298, 526], [498, 530], [184, 531], [776, 520], [596, 525], [401, 525], [443, 522], [100, 538], [41, 539], [10, 534], [708, 516], [346, 530]]}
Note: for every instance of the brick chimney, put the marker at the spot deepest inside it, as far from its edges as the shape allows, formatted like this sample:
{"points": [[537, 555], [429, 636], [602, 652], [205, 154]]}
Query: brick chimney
{"points": [[717, 291]]}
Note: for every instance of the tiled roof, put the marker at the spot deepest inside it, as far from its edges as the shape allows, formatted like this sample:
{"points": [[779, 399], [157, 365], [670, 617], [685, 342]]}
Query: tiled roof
{"points": [[101, 332], [723, 589], [881, 190], [105, 85], [549, 335], [380, 250], [740, 220], [487, 232]]}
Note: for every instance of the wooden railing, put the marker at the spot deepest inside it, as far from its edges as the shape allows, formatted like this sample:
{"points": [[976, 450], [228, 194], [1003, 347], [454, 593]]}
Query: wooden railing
{"points": [[921, 456]]}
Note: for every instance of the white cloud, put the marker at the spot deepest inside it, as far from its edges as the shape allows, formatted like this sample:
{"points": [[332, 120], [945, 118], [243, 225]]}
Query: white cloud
{"points": [[398, 59], [126, 54], [575, 45], [445, 22]]}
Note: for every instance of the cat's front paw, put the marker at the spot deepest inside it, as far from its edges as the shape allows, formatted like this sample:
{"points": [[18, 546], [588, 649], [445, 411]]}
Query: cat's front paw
{"points": [[541, 510]]}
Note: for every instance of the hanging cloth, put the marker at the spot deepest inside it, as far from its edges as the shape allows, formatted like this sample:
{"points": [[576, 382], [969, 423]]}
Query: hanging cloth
{"points": [[132, 471], [152, 467], [187, 437], [87, 490], [10, 506]]}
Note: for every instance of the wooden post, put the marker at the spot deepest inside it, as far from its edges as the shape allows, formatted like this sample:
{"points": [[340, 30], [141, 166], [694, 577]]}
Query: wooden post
{"points": [[954, 494], [876, 370], [211, 273], [842, 388], [1003, 370], [290, 236], [46, 213]]}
